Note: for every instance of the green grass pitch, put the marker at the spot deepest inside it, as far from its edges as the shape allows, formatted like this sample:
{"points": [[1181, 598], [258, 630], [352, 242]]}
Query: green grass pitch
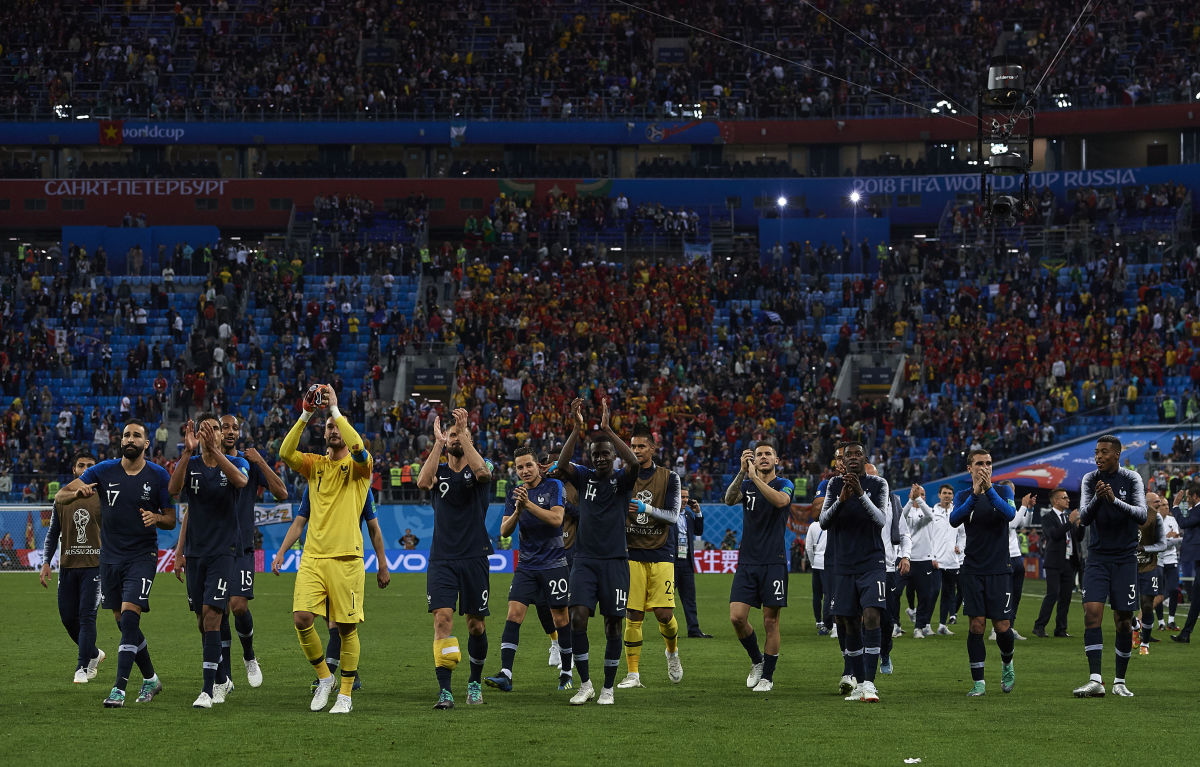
{"points": [[709, 718]]}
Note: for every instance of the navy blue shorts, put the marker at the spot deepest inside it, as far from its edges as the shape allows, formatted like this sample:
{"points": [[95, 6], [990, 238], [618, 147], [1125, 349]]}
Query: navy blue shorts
{"points": [[600, 581], [1114, 582], [1151, 582], [760, 585], [546, 587], [853, 593], [129, 581], [1170, 579], [987, 596], [209, 581], [243, 576], [461, 582]]}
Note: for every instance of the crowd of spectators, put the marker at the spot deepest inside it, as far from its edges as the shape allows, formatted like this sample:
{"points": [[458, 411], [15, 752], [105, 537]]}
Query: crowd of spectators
{"points": [[532, 59], [1004, 367]]}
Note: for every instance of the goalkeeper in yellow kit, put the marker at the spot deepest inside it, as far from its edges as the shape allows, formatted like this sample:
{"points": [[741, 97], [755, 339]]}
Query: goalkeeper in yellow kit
{"points": [[330, 578]]}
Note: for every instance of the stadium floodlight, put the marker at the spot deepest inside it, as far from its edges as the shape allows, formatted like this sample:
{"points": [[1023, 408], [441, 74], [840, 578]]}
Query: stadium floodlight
{"points": [[999, 148], [1005, 83], [1062, 100], [945, 106], [781, 201], [855, 197]]}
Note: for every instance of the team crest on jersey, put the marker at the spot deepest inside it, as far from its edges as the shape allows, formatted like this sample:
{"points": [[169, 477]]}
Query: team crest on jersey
{"points": [[145, 491], [613, 482], [645, 496], [1123, 493], [468, 477], [224, 479]]}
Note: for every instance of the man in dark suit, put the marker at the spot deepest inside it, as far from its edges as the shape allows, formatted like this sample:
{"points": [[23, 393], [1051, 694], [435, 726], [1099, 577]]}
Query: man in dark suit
{"points": [[1187, 513], [1060, 535], [689, 525]]}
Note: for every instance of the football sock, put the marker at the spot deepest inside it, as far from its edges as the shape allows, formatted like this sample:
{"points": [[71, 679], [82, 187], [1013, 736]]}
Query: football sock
{"points": [[128, 647], [565, 650], [508, 646], [670, 633], [579, 639], [1093, 646], [885, 634], [333, 650], [1006, 641], [847, 666], [142, 658], [976, 654], [310, 643], [769, 662], [443, 677], [612, 659], [872, 639], [349, 664], [854, 650], [223, 670], [244, 624], [477, 647], [633, 644], [750, 642], [1124, 646], [546, 618], [212, 658]]}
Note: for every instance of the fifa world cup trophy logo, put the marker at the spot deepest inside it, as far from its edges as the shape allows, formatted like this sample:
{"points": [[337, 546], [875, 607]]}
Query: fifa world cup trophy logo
{"points": [[81, 518], [645, 496]]}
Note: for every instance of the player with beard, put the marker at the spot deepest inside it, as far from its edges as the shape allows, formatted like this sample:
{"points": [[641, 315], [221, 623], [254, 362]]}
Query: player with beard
{"points": [[458, 556], [331, 575], [600, 573], [134, 505]]}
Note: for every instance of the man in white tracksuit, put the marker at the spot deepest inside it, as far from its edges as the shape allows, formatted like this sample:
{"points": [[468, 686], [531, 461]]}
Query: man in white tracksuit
{"points": [[925, 574], [814, 548], [897, 563], [948, 552]]}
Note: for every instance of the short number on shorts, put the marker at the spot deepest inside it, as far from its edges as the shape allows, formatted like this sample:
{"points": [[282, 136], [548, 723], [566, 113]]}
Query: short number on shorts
{"points": [[778, 587], [247, 578], [147, 583], [1133, 591], [558, 586], [222, 586], [1154, 582], [1007, 599], [669, 588], [882, 589], [485, 597], [622, 597]]}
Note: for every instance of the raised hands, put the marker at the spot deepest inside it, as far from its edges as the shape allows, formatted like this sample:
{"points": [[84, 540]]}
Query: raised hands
{"points": [[191, 440], [577, 415], [520, 497], [460, 421], [438, 435], [604, 413], [747, 461], [1105, 491], [917, 491], [208, 437]]}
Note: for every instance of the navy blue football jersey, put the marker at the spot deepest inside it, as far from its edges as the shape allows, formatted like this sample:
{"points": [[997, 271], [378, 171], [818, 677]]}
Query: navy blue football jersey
{"points": [[603, 502], [1113, 525], [460, 503], [985, 518], [763, 525], [246, 499], [541, 542], [123, 535], [854, 527], [212, 528]]}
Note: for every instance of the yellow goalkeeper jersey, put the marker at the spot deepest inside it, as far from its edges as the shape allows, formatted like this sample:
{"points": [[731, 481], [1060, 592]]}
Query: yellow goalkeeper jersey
{"points": [[337, 491]]}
